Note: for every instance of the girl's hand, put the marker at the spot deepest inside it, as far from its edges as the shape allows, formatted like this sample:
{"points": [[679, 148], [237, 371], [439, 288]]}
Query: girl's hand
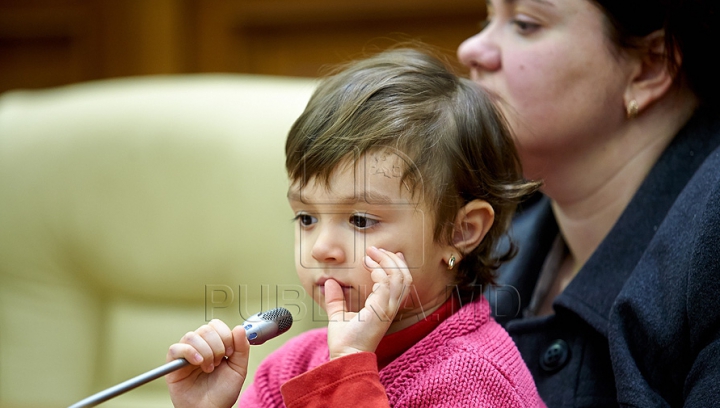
{"points": [[362, 331], [211, 380]]}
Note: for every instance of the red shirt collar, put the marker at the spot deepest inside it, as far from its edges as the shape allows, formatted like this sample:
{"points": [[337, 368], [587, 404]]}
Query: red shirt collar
{"points": [[393, 345]]}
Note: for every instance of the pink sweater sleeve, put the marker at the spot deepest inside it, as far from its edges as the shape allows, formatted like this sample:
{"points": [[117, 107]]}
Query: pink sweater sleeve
{"points": [[351, 381]]}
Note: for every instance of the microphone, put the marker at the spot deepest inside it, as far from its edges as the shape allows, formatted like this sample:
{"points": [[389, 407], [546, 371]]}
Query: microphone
{"points": [[264, 326], [259, 328]]}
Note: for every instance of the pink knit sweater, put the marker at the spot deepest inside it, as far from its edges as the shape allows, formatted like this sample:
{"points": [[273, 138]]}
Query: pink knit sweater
{"points": [[467, 361]]}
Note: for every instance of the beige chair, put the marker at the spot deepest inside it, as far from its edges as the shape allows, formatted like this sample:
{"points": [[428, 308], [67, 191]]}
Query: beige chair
{"points": [[131, 211]]}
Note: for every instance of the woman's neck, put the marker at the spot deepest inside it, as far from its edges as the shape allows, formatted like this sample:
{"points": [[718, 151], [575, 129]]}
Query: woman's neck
{"points": [[590, 191]]}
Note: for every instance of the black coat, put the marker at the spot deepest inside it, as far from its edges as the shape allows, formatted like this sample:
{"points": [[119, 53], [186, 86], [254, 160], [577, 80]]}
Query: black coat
{"points": [[640, 323]]}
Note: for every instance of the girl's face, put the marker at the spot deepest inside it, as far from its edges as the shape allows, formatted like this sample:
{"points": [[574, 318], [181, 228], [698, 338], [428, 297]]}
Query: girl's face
{"points": [[555, 74], [366, 205]]}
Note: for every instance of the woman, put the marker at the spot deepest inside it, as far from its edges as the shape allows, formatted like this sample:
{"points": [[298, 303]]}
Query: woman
{"points": [[614, 107]]}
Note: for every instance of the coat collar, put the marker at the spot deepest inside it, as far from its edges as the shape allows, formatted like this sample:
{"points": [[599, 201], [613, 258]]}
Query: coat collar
{"points": [[532, 232], [592, 292]]}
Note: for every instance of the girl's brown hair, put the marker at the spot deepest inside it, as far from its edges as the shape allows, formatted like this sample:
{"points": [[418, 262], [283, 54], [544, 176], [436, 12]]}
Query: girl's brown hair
{"points": [[455, 143]]}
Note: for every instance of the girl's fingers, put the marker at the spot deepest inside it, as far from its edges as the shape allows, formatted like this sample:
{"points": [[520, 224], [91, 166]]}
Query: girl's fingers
{"points": [[213, 340], [238, 360], [392, 279], [370, 263], [186, 351], [379, 258], [226, 337], [334, 299], [404, 277], [394, 268], [363, 330], [378, 255], [200, 347]]}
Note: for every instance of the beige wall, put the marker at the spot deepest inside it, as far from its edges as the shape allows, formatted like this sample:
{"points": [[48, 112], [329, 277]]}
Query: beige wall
{"points": [[121, 201]]}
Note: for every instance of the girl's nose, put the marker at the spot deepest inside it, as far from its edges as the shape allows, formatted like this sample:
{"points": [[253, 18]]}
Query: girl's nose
{"points": [[328, 247], [480, 52]]}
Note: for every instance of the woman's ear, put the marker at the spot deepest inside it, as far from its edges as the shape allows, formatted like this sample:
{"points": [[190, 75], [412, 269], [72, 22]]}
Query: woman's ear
{"points": [[472, 222], [651, 77]]}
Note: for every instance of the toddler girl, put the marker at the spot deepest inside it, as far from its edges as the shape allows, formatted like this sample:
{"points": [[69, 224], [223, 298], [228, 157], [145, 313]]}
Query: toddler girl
{"points": [[403, 178]]}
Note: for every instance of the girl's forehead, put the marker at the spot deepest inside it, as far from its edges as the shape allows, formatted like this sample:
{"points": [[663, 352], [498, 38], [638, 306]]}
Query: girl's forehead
{"points": [[385, 164], [374, 178]]}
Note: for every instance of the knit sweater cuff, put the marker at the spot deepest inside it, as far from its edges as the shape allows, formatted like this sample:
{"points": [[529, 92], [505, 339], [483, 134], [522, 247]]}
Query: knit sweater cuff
{"points": [[350, 381]]}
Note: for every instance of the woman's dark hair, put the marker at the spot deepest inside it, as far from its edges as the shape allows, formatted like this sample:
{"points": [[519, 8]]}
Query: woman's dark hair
{"points": [[690, 25]]}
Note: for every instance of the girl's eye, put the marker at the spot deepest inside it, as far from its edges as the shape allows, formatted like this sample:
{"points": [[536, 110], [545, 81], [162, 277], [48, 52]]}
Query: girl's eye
{"points": [[305, 220], [362, 222], [525, 27]]}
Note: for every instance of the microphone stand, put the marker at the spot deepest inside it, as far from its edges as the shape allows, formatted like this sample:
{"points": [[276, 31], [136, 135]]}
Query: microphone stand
{"points": [[130, 384], [259, 328]]}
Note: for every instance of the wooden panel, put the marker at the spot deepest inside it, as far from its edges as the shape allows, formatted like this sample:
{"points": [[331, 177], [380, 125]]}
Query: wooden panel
{"points": [[54, 42], [44, 43], [306, 50], [144, 37], [287, 37]]}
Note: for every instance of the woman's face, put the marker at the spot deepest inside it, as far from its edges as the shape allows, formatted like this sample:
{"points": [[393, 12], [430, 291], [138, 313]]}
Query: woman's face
{"points": [[554, 73]]}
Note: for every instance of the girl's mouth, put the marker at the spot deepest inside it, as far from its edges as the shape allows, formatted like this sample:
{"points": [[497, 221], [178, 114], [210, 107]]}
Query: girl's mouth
{"points": [[321, 284]]}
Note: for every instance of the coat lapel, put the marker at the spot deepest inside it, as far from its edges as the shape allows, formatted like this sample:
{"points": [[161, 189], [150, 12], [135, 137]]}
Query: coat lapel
{"points": [[592, 292]]}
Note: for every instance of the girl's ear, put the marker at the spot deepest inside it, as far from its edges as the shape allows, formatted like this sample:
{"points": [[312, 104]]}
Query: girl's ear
{"points": [[472, 222]]}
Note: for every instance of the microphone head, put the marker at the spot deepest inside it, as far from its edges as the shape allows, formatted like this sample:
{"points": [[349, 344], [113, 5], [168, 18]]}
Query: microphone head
{"points": [[264, 326]]}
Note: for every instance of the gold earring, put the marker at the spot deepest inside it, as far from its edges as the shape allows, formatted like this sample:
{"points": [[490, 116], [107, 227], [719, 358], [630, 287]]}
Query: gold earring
{"points": [[632, 109], [451, 262]]}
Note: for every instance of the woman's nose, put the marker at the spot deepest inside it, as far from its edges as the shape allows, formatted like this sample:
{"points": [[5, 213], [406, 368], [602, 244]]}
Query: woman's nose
{"points": [[328, 247], [480, 52]]}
